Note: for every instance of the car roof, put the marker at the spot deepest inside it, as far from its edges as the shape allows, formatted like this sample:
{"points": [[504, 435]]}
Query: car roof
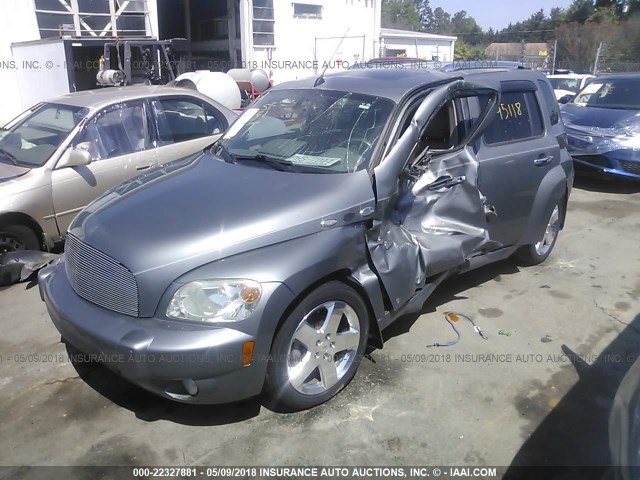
{"points": [[570, 75], [395, 83], [482, 64], [103, 97], [618, 76], [392, 83]]}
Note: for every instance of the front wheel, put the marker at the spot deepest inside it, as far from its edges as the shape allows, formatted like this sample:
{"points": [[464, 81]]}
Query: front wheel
{"points": [[318, 348], [537, 253], [17, 237]]}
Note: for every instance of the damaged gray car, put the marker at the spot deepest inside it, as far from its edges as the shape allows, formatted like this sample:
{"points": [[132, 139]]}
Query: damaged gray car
{"points": [[330, 208]]}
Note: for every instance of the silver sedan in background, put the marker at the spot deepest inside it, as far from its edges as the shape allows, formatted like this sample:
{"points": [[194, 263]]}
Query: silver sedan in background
{"points": [[58, 156]]}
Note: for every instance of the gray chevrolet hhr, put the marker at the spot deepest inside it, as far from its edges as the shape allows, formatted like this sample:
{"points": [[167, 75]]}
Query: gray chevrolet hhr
{"points": [[330, 208]]}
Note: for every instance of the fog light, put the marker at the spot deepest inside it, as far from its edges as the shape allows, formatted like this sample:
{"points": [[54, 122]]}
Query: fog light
{"points": [[247, 353], [190, 386]]}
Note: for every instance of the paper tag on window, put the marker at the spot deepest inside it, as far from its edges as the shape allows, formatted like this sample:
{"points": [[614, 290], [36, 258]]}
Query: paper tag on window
{"points": [[591, 88], [314, 161]]}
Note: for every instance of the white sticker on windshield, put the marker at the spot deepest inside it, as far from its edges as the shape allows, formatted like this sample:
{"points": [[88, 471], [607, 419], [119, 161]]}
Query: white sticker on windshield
{"points": [[591, 88], [313, 161], [241, 122]]}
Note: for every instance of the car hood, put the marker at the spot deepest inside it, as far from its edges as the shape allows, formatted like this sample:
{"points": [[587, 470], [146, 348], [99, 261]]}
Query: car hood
{"points": [[198, 210], [11, 172], [607, 118], [592, 131]]}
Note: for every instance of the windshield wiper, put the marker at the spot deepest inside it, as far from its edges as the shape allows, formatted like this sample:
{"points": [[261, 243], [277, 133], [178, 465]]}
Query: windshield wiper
{"points": [[220, 149], [9, 155], [276, 163]]}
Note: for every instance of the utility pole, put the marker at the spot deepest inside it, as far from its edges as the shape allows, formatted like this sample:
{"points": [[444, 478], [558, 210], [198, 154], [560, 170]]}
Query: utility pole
{"points": [[522, 51], [598, 53], [555, 49]]}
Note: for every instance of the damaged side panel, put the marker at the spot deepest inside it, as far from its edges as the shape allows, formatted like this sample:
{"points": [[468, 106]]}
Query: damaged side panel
{"points": [[435, 220]]}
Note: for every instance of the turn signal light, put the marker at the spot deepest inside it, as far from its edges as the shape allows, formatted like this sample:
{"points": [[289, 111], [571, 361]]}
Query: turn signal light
{"points": [[247, 353]]}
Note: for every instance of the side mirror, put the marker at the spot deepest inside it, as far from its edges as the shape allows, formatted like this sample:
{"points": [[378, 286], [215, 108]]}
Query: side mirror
{"points": [[565, 99], [77, 157]]}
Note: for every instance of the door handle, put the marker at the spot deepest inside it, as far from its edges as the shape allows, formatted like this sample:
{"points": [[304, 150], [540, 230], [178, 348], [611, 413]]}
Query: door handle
{"points": [[539, 162], [144, 166], [445, 183]]}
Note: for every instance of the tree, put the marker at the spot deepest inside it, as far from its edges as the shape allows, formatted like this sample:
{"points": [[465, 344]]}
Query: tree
{"points": [[607, 13], [462, 51], [580, 11], [441, 22], [425, 12], [400, 14]]}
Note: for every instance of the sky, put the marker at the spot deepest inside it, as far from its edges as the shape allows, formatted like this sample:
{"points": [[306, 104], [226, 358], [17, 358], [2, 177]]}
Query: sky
{"points": [[498, 13]]}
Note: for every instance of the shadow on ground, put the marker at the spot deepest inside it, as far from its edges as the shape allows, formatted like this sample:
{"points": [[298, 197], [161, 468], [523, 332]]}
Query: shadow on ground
{"points": [[596, 182], [576, 432], [150, 408], [450, 290]]}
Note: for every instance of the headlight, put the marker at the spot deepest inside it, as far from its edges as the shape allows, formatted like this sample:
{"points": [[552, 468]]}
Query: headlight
{"points": [[215, 300]]}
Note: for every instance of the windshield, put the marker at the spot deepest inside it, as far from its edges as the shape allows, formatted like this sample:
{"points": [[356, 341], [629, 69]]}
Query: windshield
{"points": [[571, 84], [314, 131], [620, 93], [33, 137]]}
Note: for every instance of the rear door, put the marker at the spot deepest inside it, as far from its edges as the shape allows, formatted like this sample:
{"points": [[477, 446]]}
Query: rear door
{"points": [[119, 141], [431, 216], [515, 154], [185, 125]]}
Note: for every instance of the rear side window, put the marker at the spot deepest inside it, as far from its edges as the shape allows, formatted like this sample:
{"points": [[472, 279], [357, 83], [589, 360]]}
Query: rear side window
{"points": [[180, 120], [550, 101], [518, 118]]}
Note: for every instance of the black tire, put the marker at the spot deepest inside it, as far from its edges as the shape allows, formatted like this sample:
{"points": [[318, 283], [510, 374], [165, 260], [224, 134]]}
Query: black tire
{"points": [[17, 237], [530, 255], [280, 393]]}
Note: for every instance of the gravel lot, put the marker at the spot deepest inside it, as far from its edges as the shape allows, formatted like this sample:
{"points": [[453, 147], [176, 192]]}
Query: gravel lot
{"points": [[538, 396]]}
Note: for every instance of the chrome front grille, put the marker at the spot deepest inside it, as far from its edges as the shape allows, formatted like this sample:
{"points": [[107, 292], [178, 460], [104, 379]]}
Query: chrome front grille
{"points": [[100, 279]]}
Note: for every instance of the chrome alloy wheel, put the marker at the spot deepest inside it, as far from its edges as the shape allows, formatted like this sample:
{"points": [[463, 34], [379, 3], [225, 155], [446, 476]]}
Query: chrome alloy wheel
{"points": [[323, 347], [550, 234]]}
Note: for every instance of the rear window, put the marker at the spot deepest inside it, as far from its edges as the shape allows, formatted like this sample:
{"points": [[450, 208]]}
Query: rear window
{"points": [[518, 118]]}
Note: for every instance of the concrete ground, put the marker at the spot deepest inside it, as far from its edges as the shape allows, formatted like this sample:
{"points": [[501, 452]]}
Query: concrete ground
{"points": [[542, 398]]}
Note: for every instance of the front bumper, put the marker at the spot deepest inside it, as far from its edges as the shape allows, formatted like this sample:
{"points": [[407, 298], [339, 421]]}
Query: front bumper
{"points": [[622, 162], [181, 361], [609, 166]]}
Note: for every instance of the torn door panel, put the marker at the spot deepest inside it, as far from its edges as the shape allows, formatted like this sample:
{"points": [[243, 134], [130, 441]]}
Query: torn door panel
{"points": [[446, 199], [430, 230], [435, 222]]}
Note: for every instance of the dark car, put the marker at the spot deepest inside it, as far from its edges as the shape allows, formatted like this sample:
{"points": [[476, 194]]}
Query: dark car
{"points": [[330, 208], [603, 125]]}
